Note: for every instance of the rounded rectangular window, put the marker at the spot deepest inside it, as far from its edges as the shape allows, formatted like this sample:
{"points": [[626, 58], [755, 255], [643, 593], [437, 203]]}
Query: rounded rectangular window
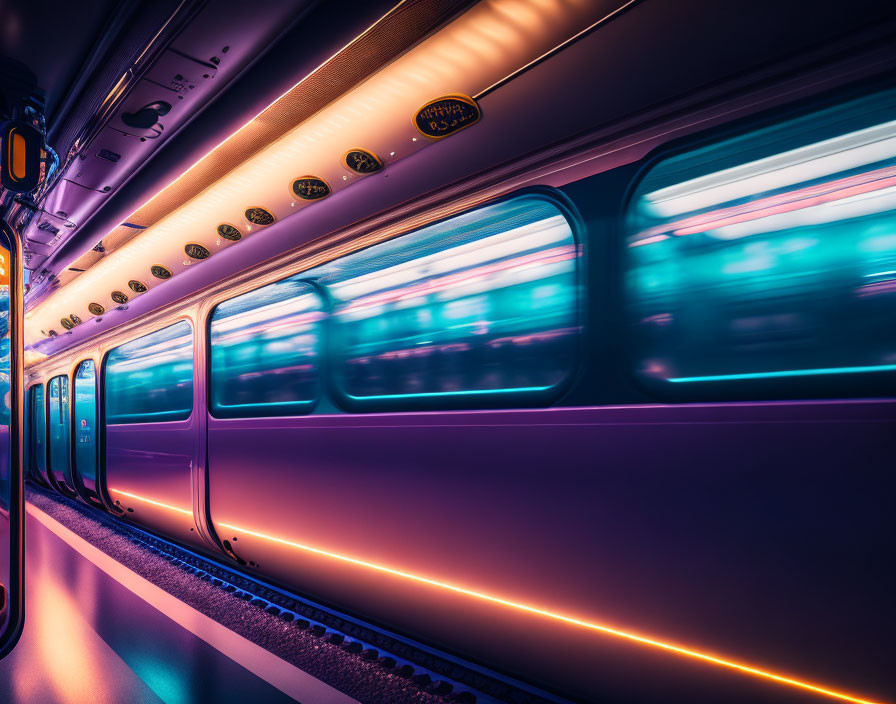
{"points": [[85, 423], [150, 379], [483, 304], [37, 460], [265, 347], [770, 255], [59, 424]]}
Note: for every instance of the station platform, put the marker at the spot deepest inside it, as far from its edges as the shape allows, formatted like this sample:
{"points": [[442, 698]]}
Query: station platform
{"points": [[113, 618]]}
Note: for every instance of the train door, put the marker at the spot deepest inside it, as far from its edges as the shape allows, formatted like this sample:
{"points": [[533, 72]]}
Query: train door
{"points": [[84, 433], [59, 424], [36, 435]]}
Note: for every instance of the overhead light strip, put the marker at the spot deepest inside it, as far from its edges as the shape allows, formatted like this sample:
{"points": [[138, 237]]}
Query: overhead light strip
{"points": [[485, 44]]}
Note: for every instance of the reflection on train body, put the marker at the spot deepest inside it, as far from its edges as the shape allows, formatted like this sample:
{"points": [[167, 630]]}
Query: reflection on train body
{"points": [[356, 442]]}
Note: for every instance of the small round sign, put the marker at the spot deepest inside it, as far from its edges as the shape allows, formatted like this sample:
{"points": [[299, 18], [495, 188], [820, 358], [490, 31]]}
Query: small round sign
{"points": [[310, 188], [229, 232], [75, 319], [96, 309], [66, 323], [136, 286], [362, 161], [160, 272], [447, 115], [119, 297], [196, 251], [259, 216]]}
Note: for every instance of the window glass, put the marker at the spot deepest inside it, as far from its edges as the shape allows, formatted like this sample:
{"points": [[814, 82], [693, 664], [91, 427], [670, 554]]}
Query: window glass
{"points": [[264, 351], [150, 379], [771, 254], [59, 425], [85, 422], [38, 431], [482, 303]]}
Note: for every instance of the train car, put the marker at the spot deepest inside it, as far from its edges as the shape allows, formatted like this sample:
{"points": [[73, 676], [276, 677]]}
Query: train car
{"points": [[561, 344]]}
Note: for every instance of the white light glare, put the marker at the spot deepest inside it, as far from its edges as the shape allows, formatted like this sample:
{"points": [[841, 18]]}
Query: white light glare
{"points": [[853, 207], [813, 161]]}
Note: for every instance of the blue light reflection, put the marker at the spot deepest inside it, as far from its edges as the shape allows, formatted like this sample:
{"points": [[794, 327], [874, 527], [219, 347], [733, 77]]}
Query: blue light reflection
{"points": [[150, 379], [483, 303]]}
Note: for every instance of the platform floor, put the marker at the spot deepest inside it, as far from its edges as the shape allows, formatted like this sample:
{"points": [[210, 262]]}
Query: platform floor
{"points": [[61, 658], [97, 632], [114, 615]]}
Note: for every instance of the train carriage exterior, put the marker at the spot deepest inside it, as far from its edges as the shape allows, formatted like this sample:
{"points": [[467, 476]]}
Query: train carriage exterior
{"points": [[625, 401]]}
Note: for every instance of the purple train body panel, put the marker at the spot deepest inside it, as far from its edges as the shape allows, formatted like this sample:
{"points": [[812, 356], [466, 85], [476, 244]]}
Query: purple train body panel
{"points": [[628, 496], [688, 523], [158, 459]]}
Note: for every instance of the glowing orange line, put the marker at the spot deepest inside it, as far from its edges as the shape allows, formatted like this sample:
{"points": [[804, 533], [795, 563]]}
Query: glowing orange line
{"points": [[643, 640]]}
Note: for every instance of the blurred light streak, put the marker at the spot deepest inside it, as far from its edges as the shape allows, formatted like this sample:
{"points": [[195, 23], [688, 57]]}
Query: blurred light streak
{"points": [[854, 206], [789, 372], [537, 611], [812, 161], [786, 204]]}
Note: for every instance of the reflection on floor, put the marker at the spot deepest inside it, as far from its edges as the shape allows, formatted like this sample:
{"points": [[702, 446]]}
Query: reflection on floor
{"points": [[96, 632], [61, 659]]}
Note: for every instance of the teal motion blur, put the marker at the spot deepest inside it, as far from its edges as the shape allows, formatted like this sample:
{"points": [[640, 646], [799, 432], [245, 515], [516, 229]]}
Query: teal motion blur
{"points": [[86, 422], [770, 255], [150, 379], [485, 303]]}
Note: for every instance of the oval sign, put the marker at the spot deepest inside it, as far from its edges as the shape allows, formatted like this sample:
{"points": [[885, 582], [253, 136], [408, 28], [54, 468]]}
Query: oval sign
{"points": [[196, 251], [444, 116], [160, 272], [75, 319], [66, 323], [136, 286], [119, 297], [362, 161], [229, 232], [310, 188], [96, 309], [52, 333], [259, 216]]}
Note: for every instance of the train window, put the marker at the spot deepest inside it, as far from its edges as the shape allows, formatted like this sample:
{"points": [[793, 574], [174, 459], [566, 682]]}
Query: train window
{"points": [[770, 255], [150, 379], [60, 426], [264, 351], [85, 422], [482, 304], [37, 431]]}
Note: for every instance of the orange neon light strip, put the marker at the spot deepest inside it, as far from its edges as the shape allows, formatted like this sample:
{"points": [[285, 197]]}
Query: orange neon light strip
{"points": [[643, 640]]}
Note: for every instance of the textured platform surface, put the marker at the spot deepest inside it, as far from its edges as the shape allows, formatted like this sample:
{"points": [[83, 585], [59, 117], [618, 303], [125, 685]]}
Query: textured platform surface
{"points": [[113, 621]]}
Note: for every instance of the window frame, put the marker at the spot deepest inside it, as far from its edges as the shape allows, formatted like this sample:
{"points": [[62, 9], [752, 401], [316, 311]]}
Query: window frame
{"points": [[807, 387], [321, 376], [333, 398], [493, 399], [103, 377]]}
